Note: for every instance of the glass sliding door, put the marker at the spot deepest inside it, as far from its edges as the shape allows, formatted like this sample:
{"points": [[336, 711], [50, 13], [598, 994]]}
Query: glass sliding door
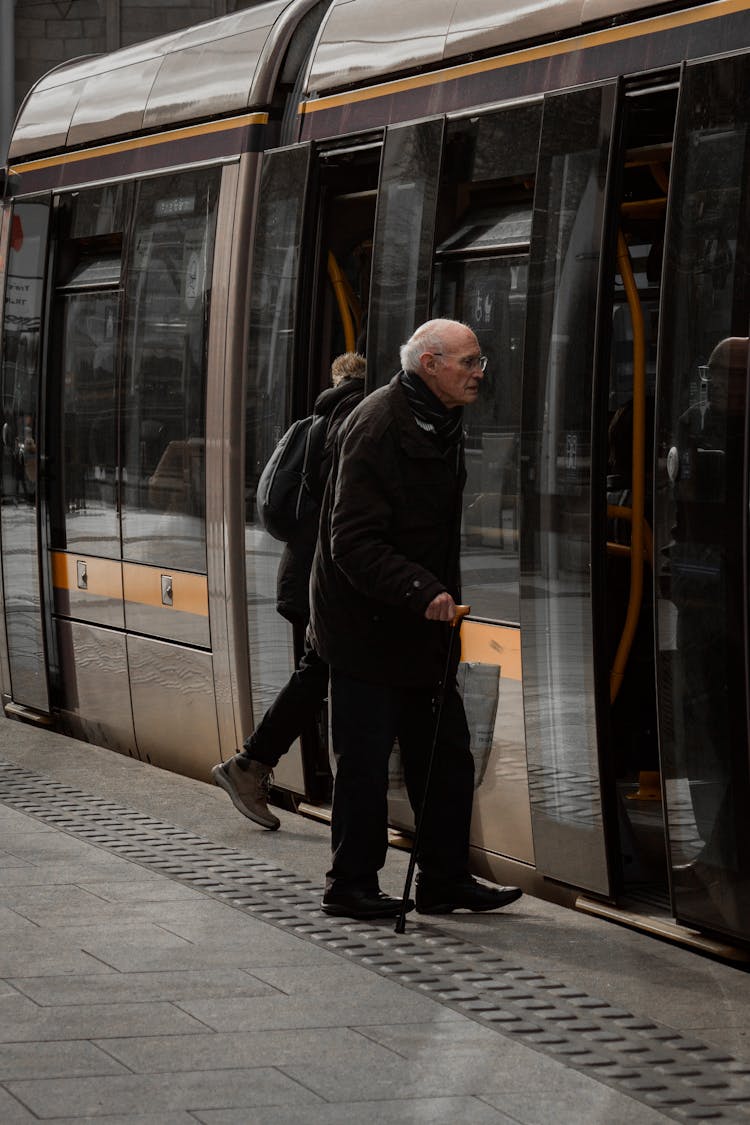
{"points": [[403, 243], [556, 443], [702, 501], [268, 412]]}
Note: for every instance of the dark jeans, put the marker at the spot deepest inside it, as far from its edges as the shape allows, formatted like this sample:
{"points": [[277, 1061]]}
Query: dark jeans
{"points": [[365, 720], [294, 711]]}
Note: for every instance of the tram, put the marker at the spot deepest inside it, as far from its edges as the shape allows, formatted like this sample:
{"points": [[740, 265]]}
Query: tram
{"points": [[192, 228]]}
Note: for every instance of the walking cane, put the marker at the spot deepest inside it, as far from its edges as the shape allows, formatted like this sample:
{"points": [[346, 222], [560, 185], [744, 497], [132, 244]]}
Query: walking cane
{"points": [[461, 611]]}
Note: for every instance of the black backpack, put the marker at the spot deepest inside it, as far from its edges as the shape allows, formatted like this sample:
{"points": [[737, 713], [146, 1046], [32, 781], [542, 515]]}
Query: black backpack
{"points": [[289, 486]]}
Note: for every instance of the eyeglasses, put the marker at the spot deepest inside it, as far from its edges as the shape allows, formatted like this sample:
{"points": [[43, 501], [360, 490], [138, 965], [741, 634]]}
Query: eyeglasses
{"points": [[468, 361]]}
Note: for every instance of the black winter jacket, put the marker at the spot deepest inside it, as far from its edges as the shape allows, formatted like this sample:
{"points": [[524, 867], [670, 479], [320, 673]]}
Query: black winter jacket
{"points": [[293, 576], [389, 543]]}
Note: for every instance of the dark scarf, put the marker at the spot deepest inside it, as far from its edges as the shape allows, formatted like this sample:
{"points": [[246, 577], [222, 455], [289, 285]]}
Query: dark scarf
{"points": [[429, 413]]}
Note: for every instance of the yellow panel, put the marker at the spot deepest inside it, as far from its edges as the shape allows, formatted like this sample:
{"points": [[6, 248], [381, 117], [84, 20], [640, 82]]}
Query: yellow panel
{"points": [[492, 644], [103, 576], [143, 585]]}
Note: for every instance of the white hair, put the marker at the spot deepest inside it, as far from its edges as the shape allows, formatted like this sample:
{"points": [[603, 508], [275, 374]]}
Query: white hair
{"points": [[429, 337]]}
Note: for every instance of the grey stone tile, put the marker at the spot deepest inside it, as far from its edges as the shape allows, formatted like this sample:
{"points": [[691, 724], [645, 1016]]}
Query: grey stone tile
{"points": [[109, 987], [178, 1118], [387, 1006], [53, 847], [455, 1039], [279, 949], [735, 1040], [442, 1074], [66, 873], [155, 889], [12, 1112], [23, 1021], [415, 1111], [328, 981], [14, 925], [42, 956], [128, 1094], [49, 1060], [174, 1053], [10, 862], [66, 905], [97, 936], [593, 1104], [23, 874]]}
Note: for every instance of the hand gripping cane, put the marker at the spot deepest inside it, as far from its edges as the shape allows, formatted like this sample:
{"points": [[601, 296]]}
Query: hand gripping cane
{"points": [[461, 611]]}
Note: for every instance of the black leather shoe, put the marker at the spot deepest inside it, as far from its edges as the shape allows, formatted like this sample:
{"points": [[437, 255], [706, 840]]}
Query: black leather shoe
{"points": [[464, 894], [363, 904]]}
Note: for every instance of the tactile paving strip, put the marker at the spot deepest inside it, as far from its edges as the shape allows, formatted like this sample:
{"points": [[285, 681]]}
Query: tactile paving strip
{"points": [[678, 1075]]}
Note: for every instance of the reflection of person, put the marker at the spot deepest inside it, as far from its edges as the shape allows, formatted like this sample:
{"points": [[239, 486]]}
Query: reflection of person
{"points": [[384, 586], [246, 777], [706, 587]]}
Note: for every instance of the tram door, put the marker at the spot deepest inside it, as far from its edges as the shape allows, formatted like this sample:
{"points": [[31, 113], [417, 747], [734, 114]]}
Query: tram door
{"points": [[624, 430], [701, 490], [124, 443], [557, 468], [308, 295]]}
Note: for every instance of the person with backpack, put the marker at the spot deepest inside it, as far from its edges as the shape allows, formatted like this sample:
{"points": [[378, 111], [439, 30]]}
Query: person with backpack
{"points": [[290, 493]]}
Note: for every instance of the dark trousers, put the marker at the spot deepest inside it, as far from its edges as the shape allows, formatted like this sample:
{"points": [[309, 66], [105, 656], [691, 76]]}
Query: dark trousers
{"points": [[294, 711], [365, 720]]}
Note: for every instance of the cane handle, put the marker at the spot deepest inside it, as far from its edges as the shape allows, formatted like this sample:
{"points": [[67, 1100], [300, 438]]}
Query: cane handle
{"points": [[461, 611]]}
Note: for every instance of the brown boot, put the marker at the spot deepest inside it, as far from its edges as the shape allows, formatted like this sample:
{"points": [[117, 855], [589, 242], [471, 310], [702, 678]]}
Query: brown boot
{"points": [[248, 784]]}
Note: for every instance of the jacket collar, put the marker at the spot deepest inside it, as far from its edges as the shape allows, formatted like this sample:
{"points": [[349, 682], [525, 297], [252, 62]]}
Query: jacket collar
{"points": [[414, 441]]}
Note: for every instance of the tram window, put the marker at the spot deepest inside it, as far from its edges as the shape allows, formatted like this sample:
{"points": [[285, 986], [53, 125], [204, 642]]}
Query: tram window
{"points": [[83, 429], [481, 274], [91, 225], [164, 382], [404, 240]]}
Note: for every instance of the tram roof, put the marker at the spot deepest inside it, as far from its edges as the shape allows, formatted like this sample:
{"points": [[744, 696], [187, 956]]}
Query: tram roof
{"points": [[364, 40], [227, 65]]}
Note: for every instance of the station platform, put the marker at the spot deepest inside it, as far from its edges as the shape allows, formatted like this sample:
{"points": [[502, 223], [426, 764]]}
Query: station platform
{"points": [[163, 961]]}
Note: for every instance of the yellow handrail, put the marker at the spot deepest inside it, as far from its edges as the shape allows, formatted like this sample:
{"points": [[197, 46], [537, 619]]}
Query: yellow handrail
{"points": [[639, 469], [345, 299], [616, 512]]}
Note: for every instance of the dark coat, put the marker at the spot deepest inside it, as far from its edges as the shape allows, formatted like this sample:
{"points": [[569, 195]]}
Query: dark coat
{"points": [[293, 577], [389, 543]]}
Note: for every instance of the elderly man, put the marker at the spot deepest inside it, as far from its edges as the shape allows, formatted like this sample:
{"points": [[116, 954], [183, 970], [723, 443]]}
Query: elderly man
{"points": [[384, 588]]}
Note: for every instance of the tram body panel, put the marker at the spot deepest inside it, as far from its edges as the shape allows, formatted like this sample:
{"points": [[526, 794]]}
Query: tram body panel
{"points": [[501, 821], [360, 43], [174, 705], [229, 615], [93, 698], [223, 419], [224, 66]]}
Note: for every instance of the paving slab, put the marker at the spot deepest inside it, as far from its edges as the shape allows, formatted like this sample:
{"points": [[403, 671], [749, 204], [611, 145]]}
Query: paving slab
{"points": [[407, 1111], [136, 986]]}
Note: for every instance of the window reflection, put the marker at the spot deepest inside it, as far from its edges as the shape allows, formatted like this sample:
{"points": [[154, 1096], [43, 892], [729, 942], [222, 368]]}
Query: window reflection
{"points": [[490, 296], [481, 277], [164, 383], [24, 295], [269, 380], [701, 509], [84, 434]]}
